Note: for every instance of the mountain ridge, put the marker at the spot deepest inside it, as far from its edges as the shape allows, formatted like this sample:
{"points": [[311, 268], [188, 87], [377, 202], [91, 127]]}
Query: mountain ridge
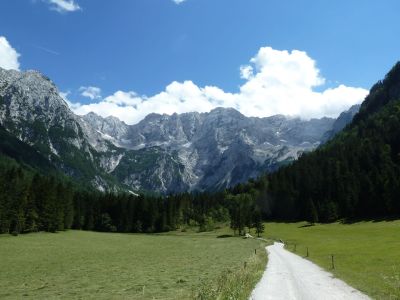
{"points": [[165, 153]]}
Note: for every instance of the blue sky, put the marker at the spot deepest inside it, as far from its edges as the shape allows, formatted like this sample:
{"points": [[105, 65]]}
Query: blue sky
{"points": [[140, 47]]}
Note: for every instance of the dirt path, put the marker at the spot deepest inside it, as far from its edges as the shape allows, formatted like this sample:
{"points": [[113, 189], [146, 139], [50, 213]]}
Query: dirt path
{"points": [[289, 276]]}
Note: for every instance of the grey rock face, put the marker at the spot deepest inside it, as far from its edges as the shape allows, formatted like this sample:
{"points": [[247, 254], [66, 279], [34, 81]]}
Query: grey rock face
{"points": [[110, 128], [177, 153], [217, 149], [341, 122], [32, 109]]}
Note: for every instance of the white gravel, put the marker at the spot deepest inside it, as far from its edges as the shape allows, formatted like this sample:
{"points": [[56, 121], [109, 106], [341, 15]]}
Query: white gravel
{"points": [[288, 276]]}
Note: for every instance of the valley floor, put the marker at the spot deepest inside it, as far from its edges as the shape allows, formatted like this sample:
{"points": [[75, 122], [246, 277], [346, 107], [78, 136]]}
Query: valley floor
{"points": [[91, 265], [366, 254]]}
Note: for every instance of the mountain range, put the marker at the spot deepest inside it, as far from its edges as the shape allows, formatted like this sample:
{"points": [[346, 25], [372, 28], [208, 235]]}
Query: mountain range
{"points": [[162, 153]]}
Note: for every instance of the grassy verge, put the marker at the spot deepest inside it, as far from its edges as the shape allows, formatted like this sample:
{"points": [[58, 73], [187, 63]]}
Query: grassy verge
{"points": [[366, 254], [90, 265], [235, 284]]}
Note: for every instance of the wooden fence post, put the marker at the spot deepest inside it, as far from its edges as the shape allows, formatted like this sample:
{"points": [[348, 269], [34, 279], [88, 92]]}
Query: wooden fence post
{"points": [[307, 252], [333, 262]]}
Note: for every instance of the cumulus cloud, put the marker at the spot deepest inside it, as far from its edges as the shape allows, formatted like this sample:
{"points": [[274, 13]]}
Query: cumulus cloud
{"points": [[91, 92], [8, 55], [246, 72], [276, 82], [178, 1], [64, 95], [64, 5]]}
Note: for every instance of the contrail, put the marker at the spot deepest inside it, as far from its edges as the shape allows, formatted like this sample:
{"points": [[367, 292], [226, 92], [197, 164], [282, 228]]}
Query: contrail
{"points": [[47, 50]]}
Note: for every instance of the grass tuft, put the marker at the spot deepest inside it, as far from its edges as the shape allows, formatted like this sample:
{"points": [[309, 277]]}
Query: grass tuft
{"points": [[235, 284]]}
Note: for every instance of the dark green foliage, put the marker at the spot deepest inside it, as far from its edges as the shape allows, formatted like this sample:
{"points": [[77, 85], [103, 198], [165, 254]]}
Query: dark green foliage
{"points": [[38, 133], [22, 152], [382, 93], [14, 198], [355, 175], [311, 213], [243, 210], [258, 224], [129, 213], [32, 202]]}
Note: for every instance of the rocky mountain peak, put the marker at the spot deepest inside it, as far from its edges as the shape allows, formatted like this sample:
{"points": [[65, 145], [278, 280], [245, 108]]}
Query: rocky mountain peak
{"points": [[225, 111], [30, 96], [344, 118], [165, 153]]}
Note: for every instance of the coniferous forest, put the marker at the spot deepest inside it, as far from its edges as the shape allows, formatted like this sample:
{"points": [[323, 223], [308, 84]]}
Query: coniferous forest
{"points": [[32, 202], [356, 175]]}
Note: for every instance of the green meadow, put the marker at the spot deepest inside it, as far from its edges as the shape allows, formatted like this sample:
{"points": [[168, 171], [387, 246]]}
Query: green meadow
{"points": [[366, 254], [91, 265]]}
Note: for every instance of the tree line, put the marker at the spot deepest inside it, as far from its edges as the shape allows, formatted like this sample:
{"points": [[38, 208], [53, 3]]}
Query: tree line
{"points": [[32, 202]]}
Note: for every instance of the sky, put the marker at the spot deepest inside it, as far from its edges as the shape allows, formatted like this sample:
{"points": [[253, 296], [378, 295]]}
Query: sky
{"points": [[124, 58]]}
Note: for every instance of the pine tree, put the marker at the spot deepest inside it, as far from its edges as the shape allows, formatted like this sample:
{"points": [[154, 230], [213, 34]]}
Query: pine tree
{"points": [[258, 224], [312, 214]]}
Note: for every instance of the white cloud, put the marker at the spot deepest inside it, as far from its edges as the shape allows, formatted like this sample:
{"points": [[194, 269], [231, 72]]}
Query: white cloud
{"points": [[91, 92], [276, 82], [65, 95], [71, 104], [64, 5], [178, 1], [246, 72], [8, 55]]}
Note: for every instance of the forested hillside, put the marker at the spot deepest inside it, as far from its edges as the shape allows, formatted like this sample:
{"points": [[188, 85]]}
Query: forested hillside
{"points": [[355, 175]]}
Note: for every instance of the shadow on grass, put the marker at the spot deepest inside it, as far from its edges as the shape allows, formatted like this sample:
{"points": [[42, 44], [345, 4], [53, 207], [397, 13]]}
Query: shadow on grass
{"points": [[371, 219], [224, 236], [306, 225]]}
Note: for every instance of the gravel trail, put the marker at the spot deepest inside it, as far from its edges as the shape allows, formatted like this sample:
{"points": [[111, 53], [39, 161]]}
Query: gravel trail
{"points": [[288, 276]]}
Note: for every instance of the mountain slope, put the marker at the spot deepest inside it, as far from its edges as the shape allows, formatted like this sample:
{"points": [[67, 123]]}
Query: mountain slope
{"points": [[162, 153], [32, 110], [356, 174], [24, 154], [382, 93], [199, 151], [341, 122]]}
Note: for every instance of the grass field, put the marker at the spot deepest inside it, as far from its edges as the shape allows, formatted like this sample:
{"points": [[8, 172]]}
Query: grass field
{"points": [[82, 265], [366, 254]]}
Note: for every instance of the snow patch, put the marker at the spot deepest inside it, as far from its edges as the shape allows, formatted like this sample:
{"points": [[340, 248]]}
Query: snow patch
{"points": [[52, 149], [133, 193], [223, 149]]}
